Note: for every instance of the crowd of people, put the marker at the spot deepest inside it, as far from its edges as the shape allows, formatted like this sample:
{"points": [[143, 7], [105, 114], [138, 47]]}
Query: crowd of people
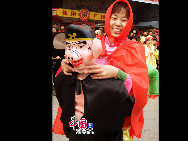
{"points": [[151, 41], [57, 54]]}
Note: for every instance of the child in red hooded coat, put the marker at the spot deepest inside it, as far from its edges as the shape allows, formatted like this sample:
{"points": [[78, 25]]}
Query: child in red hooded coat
{"points": [[126, 55]]}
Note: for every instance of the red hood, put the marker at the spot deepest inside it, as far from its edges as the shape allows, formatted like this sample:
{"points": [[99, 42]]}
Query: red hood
{"points": [[130, 57], [127, 28]]}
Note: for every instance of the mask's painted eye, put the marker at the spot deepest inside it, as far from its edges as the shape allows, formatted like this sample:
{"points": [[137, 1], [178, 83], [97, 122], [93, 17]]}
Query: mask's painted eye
{"points": [[82, 43], [69, 47], [89, 48]]}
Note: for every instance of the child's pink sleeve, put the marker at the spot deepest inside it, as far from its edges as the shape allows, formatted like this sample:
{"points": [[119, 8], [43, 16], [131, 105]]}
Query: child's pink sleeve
{"points": [[128, 83], [128, 80]]}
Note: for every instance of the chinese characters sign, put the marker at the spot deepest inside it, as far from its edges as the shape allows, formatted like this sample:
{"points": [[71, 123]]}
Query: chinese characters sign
{"points": [[83, 14], [67, 13], [97, 16]]}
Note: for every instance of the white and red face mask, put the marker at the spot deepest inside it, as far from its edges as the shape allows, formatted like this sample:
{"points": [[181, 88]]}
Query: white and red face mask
{"points": [[82, 52]]}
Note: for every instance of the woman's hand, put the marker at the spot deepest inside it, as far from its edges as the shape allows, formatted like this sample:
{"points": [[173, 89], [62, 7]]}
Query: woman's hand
{"points": [[66, 68], [102, 71]]}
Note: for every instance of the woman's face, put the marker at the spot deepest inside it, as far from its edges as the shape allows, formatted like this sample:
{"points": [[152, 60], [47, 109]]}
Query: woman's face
{"points": [[117, 23]]}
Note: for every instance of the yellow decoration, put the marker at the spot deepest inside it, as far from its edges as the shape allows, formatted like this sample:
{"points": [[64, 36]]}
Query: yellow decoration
{"points": [[74, 34], [126, 135]]}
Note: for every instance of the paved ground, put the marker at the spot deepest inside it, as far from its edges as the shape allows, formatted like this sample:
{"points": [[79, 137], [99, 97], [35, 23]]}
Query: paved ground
{"points": [[150, 129]]}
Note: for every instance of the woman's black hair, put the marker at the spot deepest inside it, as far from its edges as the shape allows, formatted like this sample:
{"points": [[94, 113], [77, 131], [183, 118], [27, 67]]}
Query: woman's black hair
{"points": [[119, 6]]}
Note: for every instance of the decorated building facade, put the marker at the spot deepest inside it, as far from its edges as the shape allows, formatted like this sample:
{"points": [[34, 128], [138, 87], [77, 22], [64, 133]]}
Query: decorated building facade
{"points": [[92, 12]]}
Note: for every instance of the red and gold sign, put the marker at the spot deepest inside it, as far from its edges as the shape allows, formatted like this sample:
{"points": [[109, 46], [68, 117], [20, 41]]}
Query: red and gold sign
{"points": [[84, 14]]}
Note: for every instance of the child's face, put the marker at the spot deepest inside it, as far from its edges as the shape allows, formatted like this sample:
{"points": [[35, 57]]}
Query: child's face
{"points": [[117, 22]]}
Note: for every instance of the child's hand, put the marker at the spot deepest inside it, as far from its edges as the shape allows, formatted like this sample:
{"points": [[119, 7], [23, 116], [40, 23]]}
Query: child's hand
{"points": [[66, 68]]}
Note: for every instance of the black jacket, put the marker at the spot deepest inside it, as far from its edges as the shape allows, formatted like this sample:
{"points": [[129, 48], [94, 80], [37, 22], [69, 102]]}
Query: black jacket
{"points": [[106, 104]]}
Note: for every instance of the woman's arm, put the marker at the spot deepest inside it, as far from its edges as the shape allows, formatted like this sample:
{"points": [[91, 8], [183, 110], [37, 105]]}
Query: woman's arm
{"points": [[108, 71], [102, 71], [105, 71]]}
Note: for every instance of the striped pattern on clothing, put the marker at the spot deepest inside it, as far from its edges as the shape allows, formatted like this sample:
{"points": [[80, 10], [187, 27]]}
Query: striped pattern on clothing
{"points": [[109, 48]]}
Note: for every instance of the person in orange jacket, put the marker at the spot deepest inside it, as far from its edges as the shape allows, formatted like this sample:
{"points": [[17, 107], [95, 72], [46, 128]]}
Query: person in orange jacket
{"points": [[126, 55]]}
